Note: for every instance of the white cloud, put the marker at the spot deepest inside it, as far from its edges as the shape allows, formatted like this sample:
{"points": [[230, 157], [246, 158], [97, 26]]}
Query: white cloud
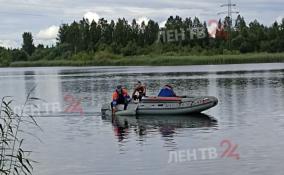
{"points": [[145, 19], [163, 24], [48, 34], [92, 16], [8, 44]]}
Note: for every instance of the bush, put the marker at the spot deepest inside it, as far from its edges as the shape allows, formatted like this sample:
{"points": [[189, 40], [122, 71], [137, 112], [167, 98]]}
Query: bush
{"points": [[106, 55], [130, 49], [5, 57], [246, 47], [19, 55], [237, 42], [82, 56], [39, 54], [196, 50], [273, 46]]}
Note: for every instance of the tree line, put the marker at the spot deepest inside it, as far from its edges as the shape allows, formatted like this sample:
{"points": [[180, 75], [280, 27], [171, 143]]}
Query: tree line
{"points": [[87, 40]]}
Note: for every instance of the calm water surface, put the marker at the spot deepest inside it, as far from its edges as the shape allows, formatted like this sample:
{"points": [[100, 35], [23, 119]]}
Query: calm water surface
{"points": [[77, 140]]}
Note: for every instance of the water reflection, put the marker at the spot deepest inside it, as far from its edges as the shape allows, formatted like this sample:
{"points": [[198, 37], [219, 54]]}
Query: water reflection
{"points": [[166, 126], [30, 82]]}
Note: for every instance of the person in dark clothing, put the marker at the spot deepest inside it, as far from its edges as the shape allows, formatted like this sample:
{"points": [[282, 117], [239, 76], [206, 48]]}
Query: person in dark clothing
{"points": [[167, 91], [139, 91]]}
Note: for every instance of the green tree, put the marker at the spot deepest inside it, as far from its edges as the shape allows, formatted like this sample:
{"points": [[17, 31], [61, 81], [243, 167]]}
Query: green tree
{"points": [[95, 35], [84, 32], [28, 45], [122, 32], [62, 36], [240, 23], [151, 32], [75, 36], [134, 31], [5, 57]]}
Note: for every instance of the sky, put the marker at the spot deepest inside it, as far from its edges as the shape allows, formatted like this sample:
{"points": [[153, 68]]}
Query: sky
{"points": [[43, 17]]}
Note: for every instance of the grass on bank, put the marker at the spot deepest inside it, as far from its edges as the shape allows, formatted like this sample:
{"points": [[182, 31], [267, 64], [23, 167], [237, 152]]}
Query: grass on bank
{"points": [[158, 60]]}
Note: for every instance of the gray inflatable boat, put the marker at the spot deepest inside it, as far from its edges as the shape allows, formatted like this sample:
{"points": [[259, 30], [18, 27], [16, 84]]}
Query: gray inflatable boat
{"points": [[164, 106]]}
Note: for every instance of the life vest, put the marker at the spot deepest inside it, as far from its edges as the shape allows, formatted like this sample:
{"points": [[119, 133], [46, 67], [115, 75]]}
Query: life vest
{"points": [[140, 89], [116, 95]]}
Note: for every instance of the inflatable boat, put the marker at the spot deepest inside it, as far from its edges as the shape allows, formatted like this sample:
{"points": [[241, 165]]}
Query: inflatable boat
{"points": [[163, 106]]}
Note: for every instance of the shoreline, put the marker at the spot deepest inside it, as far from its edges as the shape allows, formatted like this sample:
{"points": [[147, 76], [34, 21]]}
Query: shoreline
{"points": [[160, 60]]}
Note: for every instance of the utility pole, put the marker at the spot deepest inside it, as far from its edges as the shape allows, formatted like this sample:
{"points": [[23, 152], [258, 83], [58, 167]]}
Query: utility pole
{"points": [[229, 13]]}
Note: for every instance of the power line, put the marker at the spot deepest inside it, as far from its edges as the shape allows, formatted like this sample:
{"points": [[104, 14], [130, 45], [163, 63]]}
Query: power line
{"points": [[229, 13]]}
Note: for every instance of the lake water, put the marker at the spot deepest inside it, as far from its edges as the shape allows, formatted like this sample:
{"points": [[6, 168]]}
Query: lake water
{"points": [[77, 140]]}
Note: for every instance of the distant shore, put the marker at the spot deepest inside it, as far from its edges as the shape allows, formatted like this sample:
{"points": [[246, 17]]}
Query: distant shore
{"points": [[160, 60]]}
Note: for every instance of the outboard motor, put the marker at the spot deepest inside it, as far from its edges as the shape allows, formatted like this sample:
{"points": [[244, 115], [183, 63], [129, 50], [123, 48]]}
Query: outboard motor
{"points": [[105, 107]]}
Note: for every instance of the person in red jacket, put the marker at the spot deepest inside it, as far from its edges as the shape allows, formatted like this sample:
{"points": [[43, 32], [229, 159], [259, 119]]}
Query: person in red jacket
{"points": [[119, 96]]}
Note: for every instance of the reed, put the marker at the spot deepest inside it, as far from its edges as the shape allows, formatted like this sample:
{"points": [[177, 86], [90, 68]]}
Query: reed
{"points": [[14, 159], [160, 60]]}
